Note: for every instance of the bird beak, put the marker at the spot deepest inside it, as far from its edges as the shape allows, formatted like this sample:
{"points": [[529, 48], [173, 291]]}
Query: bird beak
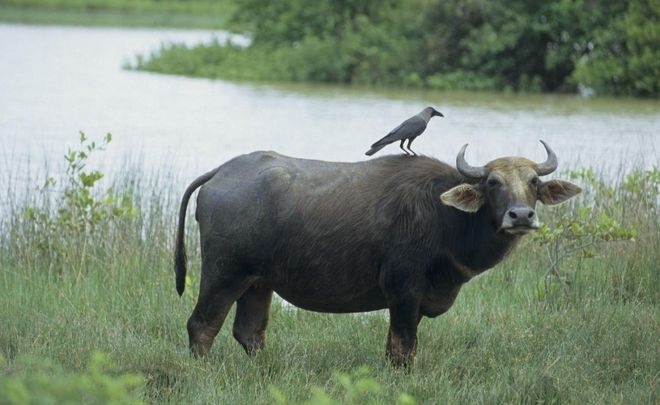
{"points": [[438, 113]]}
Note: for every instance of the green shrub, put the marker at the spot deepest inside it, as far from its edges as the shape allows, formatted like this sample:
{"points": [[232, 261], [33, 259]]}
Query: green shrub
{"points": [[604, 220], [73, 208], [450, 45], [79, 208], [625, 57], [348, 389], [39, 381]]}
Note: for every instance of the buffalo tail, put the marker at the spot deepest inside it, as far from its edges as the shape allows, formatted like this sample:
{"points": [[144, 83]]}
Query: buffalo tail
{"points": [[180, 249]]}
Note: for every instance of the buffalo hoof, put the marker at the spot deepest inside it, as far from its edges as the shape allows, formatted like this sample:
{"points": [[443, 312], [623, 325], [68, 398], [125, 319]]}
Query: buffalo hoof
{"points": [[399, 354]]}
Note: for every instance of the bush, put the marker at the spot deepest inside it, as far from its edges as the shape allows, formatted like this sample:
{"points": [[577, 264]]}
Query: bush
{"points": [[39, 381], [625, 57], [73, 208], [449, 45], [79, 209], [353, 389], [606, 219]]}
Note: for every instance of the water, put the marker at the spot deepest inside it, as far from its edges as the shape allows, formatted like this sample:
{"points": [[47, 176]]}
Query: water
{"points": [[56, 81]]}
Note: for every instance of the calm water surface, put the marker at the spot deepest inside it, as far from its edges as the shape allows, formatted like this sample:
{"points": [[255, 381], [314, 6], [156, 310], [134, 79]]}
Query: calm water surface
{"points": [[57, 81]]}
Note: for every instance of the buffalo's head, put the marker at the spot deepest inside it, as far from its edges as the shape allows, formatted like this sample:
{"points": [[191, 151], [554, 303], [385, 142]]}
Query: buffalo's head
{"points": [[510, 187]]}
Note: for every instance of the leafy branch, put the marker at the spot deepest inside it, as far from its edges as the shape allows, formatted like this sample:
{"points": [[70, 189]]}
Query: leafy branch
{"points": [[584, 232], [580, 236], [81, 207]]}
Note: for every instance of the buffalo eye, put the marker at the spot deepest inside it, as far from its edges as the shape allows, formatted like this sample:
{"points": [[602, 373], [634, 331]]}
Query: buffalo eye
{"points": [[493, 182], [535, 181]]}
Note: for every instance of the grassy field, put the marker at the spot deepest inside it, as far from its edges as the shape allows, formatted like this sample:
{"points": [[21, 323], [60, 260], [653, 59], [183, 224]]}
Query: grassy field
{"points": [[105, 284], [119, 13]]}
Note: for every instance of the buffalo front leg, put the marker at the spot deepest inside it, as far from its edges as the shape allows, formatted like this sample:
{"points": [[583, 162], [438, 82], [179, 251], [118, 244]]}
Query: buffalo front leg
{"points": [[218, 291], [251, 318], [401, 346]]}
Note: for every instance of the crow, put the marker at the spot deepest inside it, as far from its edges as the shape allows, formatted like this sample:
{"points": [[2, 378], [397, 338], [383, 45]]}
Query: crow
{"points": [[409, 129]]}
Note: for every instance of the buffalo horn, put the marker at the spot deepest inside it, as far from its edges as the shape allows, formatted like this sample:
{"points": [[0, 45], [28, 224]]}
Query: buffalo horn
{"points": [[550, 164], [465, 169]]}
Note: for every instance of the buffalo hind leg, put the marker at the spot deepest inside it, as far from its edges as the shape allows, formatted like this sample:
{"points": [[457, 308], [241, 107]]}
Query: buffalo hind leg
{"points": [[217, 293], [252, 318]]}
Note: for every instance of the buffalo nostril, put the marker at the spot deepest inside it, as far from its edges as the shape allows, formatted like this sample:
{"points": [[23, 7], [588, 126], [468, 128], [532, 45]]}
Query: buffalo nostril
{"points": [[521, 213]]}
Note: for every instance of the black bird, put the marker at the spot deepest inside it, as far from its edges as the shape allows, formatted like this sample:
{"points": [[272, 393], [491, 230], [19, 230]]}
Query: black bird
{"points": [[409, 129]]}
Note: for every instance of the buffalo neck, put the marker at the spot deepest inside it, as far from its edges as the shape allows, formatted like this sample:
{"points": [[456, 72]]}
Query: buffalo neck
{"points": [[474, 240], [409, 203]]}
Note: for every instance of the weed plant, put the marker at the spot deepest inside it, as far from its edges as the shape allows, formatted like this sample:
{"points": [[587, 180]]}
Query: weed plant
{"points": [[517, 334]]}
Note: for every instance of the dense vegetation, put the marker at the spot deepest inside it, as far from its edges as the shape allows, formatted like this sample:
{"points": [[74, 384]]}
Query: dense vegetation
{"points": [[86, 266], [521, 45], [124, 13]]}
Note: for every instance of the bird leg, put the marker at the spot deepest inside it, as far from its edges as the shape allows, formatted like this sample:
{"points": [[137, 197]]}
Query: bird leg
{"points": [[402, 148], [410, 142]]}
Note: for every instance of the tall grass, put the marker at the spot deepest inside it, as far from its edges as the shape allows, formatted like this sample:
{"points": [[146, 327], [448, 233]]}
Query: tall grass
{"points": [[512, 336]]}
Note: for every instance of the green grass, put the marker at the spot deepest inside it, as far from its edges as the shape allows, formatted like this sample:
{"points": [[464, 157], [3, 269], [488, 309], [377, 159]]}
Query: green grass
{"points": [[198, 14], [511, 337]]}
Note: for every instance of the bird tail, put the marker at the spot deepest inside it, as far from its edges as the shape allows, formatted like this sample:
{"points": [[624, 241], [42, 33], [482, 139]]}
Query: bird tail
{"points": [[374, 148]]}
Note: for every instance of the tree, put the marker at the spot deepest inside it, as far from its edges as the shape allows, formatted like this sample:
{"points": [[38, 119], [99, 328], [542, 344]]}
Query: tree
{"points": [[626, 53]]}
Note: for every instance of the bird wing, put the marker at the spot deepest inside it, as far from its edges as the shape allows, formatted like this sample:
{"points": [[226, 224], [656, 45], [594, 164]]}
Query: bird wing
{"points": [[409, 128]]}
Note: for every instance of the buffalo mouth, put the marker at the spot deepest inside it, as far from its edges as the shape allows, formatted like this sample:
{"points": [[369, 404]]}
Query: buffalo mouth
{"points": [[520, 229]]}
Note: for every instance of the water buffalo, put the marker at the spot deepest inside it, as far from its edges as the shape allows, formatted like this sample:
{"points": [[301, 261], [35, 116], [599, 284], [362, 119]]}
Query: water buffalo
{"points": [[397, 232]]}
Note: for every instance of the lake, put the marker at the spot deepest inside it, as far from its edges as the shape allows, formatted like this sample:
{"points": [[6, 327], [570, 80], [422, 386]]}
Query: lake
{"points": [[57, 81]]}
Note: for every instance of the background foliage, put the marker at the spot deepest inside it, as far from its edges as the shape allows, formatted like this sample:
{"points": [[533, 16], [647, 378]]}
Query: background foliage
{"points": [[32, 380], [519, 45], [609, 46]]}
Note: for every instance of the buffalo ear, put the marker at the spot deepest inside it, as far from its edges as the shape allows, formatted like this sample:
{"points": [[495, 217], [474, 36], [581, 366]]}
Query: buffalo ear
{"points": [[465, 197], [556, 191]]}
